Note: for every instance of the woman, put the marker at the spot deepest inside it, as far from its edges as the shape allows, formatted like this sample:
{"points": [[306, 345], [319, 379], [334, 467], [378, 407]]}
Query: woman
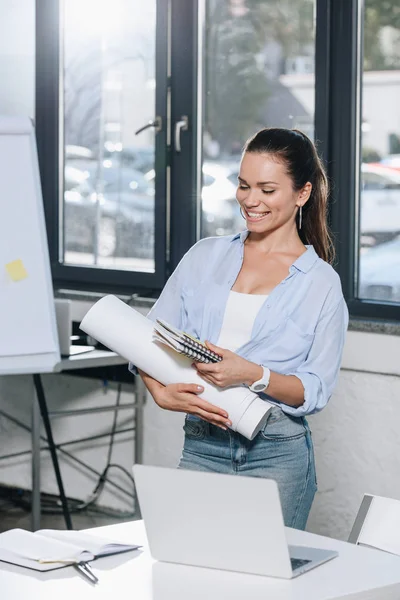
{"points": [[269, 302]]}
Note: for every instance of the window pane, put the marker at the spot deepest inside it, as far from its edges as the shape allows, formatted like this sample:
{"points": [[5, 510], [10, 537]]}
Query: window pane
{"points": [[17, 57], [258, 72], [109, 93], [379, 235]]}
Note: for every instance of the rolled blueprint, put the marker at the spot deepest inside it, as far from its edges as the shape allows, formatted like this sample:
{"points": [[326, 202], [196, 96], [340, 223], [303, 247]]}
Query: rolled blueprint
{"points": [[130, 334]]}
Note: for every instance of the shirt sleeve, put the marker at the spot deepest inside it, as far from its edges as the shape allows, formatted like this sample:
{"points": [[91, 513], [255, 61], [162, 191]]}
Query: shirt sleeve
{"points": [[320, 371], [168, 306]]}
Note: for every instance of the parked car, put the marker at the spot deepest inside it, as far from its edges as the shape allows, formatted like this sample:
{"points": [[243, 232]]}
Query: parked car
{"points": [[392, 161], [380, 204], [114, 206], [379, 274], [140, 158], [220, 210]]}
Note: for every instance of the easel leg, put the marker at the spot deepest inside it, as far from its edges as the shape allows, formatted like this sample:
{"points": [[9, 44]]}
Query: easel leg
{"points": [[49, 434], [140, 399], [35, 437]]}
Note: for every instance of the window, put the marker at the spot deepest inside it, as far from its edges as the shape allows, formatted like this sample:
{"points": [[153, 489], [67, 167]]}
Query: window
{"points": [[109, 93], [379, 220], [258, 72], [101, 113]]}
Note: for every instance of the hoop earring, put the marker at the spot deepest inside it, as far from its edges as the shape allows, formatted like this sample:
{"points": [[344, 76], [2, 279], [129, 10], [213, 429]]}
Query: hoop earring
{"points": [[300, 216], [242, 215]]}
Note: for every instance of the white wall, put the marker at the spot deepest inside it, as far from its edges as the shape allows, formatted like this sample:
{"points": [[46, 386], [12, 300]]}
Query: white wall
{"points": [[355, 437], [17, 57]]}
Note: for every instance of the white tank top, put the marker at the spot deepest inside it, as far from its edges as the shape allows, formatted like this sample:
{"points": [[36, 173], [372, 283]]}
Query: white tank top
{"points": [[240, 313]]}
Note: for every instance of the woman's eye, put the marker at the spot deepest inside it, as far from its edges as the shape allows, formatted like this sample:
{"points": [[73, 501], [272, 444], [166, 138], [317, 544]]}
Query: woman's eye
{"points": [[268, 191], [243, 187]]}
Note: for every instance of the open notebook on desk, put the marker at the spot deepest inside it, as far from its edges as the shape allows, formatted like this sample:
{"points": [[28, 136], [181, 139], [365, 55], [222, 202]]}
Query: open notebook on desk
{"points": [[49, 549]]}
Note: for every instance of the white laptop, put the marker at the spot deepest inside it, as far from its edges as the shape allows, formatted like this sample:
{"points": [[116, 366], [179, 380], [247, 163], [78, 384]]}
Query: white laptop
{"points": [[64, 328], [219, 521]]}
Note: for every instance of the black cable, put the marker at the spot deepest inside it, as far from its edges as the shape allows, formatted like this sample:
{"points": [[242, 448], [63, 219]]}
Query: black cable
{"points": [[60, 449], [102, 479], [51, 505], [115, 466], [21, 499]]}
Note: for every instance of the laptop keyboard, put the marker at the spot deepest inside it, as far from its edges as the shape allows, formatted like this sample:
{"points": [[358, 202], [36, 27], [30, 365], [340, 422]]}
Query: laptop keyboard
{"points": [[298, 562]]}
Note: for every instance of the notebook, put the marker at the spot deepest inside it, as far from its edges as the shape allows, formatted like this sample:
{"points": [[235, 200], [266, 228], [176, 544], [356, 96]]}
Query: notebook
{"points": [[183, 343], [49, 549]]}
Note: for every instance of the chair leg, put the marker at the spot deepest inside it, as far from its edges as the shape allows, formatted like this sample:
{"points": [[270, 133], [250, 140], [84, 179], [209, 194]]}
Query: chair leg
{"points": [[53, 451]]}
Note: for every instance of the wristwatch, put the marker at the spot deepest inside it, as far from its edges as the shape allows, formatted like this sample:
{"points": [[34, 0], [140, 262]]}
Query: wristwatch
{"points": [[261, 384]]}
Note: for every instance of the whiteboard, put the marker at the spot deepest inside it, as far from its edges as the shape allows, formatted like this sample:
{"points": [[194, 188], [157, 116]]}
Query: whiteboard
{"points": [[28, 331]]}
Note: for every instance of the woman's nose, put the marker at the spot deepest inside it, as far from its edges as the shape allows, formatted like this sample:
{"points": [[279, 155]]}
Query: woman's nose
{"points": [[252, 198]]}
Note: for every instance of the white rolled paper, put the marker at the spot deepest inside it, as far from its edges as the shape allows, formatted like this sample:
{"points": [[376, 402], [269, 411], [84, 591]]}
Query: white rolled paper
{"points": [[130, 334]]}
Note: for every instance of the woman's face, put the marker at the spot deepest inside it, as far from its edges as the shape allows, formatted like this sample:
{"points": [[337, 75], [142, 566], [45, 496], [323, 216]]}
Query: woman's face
{"points": [[266, 195]]}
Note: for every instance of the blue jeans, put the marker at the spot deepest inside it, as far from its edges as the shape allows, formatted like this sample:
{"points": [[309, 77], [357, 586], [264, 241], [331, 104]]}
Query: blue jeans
{"points": [[282, 451]]}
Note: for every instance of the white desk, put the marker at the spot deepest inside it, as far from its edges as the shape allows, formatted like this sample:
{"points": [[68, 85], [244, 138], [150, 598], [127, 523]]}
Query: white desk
{"points": [[87, 360], [356, 573]]}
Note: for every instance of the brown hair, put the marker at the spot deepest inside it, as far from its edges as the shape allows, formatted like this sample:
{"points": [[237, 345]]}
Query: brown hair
{"points": [[298, 153]]}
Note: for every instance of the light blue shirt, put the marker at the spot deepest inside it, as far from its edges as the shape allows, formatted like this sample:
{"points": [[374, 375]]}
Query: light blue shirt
{"points": [[299, 330]]}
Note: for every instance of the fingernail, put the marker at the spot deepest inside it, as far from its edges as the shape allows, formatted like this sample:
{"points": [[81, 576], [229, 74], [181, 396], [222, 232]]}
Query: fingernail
{"points": [[222, 427], [229, 423], [199, 387]]}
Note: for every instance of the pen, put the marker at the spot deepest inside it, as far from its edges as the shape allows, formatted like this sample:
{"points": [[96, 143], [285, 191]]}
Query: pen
{"points": [[86, 570]]}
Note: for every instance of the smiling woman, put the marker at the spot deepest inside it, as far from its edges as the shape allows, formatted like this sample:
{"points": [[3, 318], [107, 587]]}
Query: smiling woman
{"points": [[286, 177], [270, 304]]}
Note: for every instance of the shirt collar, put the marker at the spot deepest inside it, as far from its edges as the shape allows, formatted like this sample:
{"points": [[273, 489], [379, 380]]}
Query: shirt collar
{"points": [[242, 236], [303, 263]]}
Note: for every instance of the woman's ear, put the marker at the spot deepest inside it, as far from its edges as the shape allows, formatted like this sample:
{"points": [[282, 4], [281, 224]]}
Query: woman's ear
{"points": [[304, 194]]}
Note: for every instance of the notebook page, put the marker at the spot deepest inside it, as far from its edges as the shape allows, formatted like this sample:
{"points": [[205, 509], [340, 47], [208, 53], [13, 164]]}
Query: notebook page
{"points": [[97, 546], [34, 547], [167, 338]]}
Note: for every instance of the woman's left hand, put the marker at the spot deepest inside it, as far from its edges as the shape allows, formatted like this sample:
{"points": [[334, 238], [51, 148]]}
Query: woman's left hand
{"points": [[231, 370]]}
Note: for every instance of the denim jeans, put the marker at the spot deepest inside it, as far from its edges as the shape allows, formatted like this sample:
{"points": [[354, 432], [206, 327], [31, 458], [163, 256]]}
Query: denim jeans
{"points": [[282, 451]]}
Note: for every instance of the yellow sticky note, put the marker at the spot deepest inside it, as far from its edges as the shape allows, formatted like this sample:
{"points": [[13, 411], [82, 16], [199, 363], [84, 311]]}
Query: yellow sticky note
{"points": [[16, 270]]}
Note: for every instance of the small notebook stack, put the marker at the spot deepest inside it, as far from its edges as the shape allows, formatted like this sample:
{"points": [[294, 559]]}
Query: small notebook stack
{"points": [[183, 343]]}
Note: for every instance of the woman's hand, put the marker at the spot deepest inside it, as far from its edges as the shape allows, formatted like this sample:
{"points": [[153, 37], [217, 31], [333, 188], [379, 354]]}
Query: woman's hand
{"points": [[183, 397], [231, 370]]}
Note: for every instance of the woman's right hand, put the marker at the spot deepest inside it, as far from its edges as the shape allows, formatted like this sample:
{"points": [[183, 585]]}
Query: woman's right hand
{"points": [[184, 397]]}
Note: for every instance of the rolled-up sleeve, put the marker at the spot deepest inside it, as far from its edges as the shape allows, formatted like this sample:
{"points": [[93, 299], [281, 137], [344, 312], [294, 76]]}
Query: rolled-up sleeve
{"points": [[320, 371]]}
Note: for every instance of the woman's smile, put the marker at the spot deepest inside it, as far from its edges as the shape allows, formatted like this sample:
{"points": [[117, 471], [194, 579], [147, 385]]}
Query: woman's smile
{"points": [[254, 216]]}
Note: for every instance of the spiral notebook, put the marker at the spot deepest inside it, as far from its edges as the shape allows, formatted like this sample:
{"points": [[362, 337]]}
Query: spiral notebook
{"points": [[183, 343]]}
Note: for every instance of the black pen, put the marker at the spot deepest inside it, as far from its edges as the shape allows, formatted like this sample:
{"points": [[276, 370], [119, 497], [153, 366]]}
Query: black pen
{"points": [[86, 570]]}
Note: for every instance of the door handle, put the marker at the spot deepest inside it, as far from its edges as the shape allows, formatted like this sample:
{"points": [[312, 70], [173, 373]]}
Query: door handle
{"points": [[180, 126], [157, 124]]}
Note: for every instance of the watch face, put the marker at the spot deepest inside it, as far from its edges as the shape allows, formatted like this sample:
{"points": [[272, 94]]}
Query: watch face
{"points": [[259, 387]]}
